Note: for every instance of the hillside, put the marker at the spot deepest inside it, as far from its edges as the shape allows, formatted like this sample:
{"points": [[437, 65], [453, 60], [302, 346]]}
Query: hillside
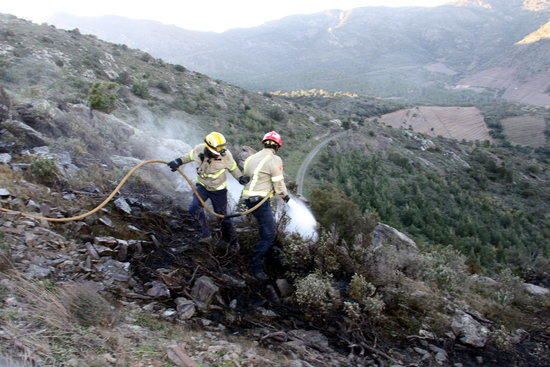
{"points": [[377, 51], [460, 278]]}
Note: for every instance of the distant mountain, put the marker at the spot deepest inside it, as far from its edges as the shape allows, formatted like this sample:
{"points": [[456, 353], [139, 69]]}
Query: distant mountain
{"points": [[407, 52]]}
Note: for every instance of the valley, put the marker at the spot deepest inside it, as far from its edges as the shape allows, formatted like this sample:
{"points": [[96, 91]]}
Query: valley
{"points": [[431, 203]]}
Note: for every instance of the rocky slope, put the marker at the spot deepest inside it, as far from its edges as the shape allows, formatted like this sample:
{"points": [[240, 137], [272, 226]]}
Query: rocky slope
{"points": [[407, 52], [130, 286]]}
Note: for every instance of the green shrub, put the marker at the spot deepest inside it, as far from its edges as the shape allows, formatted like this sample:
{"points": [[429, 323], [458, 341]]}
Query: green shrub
{"points": [[447, 268], [140, 88], [179, 68], [332, 208], [316, 294], [164, 87], [45, 171], [212, 90], [363, 292], [103, 97], [277, 114], [297, 255]]}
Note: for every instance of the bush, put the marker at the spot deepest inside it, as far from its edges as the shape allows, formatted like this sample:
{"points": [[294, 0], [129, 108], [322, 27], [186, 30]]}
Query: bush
{"points": [[316, 294], [164, 87], [447, 268], [332, 208], [179, 68], [297, 255], [140, 88], [277, 114], [363, 292], [103, 97], [45, 171], [86, 305]]}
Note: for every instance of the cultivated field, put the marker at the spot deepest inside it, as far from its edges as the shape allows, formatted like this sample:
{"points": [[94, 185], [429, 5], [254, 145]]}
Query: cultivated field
{"points": [[452, 122], [525, 130]]}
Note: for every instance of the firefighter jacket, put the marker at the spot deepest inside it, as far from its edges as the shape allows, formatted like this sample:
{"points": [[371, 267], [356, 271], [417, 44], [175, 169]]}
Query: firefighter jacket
{"points": [[265, 170], [211, 170]]}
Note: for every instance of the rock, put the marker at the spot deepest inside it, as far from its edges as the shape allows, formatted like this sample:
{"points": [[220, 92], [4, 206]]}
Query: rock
{"points": [[106, 241], [285, 289], [384, 234], [25, 134], [185, 308], [115, 270], [483, 280], [469, 331], [204, 290], [311, 338], [267, 313], [440, 354], [33, 206], [479, 359], [169, 312], [92, 251], [124, 162], [234, 282], [122, 205], [391, 252], [69, 197], [518, 336], [38, 272], [426, 144], [106, 221], [426, 334], [177, 355], [535, 290], [4, 193], [5, 158], [41, 151], [158, 289]]}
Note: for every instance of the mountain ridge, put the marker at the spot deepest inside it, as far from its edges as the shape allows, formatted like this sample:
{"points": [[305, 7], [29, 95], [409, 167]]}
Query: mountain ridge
{"points": [[331, 49]]}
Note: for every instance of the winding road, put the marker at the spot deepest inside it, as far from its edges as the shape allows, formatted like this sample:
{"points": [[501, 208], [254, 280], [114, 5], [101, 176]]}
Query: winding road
{"points": [[301, 175]]}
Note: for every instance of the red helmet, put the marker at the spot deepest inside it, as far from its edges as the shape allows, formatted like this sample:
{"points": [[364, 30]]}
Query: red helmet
{"points": [[273, 136]]}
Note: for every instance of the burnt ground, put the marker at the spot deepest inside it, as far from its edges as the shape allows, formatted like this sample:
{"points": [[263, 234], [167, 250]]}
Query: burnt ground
{"points": [[170, 254]]}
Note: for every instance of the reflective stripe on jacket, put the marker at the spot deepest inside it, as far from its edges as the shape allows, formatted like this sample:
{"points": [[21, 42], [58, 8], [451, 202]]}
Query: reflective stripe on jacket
{"points": [[265, 170], [211, 171]]}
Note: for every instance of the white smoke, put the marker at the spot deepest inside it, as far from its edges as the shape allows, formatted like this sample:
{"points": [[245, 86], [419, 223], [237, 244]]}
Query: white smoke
{"points": [[171, 137], [300, 219]]}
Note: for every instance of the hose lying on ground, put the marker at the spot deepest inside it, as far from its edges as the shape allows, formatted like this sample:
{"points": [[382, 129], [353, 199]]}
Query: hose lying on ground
{"points": [[119, 187]]}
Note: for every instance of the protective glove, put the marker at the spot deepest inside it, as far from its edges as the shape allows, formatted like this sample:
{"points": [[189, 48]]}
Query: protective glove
{"points": [[286, 199], [243, 180], [175, 164]]}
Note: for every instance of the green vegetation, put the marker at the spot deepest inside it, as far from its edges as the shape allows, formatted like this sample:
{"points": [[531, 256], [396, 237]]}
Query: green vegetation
{"points": [[490, 211], [45, 171], [103, 97], [140, 88]]}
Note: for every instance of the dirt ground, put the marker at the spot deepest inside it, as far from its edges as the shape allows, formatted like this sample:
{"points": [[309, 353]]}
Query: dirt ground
{"points": [[525, 130], [451, 122]]}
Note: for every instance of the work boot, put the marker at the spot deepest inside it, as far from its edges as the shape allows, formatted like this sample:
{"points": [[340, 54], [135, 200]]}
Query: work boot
{"points": [[260, 275], [235, 246], [207, 240]]}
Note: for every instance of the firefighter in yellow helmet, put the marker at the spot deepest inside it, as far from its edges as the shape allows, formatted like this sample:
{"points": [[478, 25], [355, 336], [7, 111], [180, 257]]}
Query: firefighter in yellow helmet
{"points": [[266, 171], [213, 161]]}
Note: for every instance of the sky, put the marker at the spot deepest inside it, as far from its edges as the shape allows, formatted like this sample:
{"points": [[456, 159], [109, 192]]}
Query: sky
{"points": [[201, 15]]}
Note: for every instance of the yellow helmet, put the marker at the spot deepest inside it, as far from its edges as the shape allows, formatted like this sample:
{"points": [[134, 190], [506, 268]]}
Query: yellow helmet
{"points": [[215, 142]]}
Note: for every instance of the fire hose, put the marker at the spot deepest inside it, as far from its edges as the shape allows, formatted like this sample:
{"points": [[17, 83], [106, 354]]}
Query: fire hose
{"points": [[121, 185]]}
